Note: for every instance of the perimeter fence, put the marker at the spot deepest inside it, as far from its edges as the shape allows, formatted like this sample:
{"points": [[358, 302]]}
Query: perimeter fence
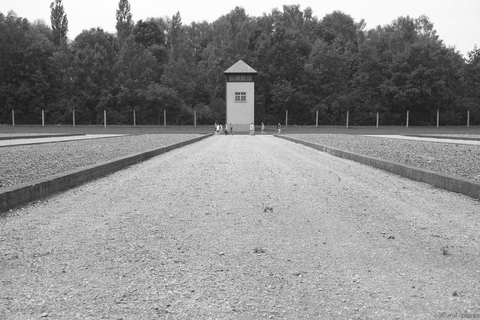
{"points": [[313, 118]]}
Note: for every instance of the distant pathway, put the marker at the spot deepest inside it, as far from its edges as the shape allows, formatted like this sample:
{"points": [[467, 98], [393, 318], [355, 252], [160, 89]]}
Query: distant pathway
{"points": [[241, 227], [441, 140], [18, 142]]}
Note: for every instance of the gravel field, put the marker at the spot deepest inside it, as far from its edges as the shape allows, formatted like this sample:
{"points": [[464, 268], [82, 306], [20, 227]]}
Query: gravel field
{"points": [[243, 228], [450, 158], [19, 164]]}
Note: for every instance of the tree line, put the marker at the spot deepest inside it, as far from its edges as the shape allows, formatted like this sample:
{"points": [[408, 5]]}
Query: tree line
{"points": [[305, 64]]}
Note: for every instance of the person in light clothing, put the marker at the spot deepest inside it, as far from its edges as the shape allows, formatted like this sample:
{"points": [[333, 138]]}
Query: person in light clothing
{"points": [[252, 129]]}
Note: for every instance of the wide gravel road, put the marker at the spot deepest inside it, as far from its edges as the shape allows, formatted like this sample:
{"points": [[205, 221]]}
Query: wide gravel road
{"points": [[241, 227]]}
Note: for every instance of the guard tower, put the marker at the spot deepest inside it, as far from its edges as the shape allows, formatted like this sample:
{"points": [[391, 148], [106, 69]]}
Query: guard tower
{"points": [[240, 96]]}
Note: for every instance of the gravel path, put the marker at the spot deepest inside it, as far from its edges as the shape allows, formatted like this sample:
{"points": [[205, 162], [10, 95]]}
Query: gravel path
{"points": [[19, 164], [450, 158], [243, 228]]}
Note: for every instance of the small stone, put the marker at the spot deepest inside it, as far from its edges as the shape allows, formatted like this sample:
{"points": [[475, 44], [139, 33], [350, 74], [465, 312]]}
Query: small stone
{"points": [[258, 250]]}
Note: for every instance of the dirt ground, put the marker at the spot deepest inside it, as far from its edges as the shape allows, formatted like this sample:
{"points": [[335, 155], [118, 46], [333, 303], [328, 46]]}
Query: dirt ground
{"points": [[241, 227]]}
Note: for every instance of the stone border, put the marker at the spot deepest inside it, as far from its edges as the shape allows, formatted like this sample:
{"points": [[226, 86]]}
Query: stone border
{"points": [[436, 179], [38, 189]]}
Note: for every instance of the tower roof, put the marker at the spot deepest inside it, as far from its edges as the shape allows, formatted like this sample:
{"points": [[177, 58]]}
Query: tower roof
{"points": [[240, 67]]}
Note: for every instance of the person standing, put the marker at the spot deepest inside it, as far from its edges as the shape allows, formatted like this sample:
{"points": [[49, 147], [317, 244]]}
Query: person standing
{"points": [[226, 129], [279, 128], [263, 128], [231, 129], [252, 129]]}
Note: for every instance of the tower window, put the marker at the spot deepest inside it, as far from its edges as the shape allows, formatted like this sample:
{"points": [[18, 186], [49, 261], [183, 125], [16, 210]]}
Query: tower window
{"points": [[240, 96], [240, 78]]}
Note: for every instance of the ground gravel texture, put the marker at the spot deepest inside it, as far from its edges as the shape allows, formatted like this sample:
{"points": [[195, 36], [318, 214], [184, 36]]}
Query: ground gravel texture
{"points": [[449, 158], [19, 164], [241, 227]]}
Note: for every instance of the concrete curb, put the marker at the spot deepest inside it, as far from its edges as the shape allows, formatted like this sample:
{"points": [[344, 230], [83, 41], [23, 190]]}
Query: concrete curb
{"points": [[38, 189], [439, 180]]}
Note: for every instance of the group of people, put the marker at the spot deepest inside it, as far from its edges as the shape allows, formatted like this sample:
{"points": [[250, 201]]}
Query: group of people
{"points": [[219, 129], [228, 129], [252, 128]]}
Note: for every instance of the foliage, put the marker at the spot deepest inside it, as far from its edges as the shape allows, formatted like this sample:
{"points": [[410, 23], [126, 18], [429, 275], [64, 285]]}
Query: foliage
{"points": [[124, 20], [59, 22], [305, 64]]}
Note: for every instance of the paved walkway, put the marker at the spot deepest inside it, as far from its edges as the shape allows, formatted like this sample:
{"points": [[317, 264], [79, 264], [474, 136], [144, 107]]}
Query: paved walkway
{"points": [[19, 142], [439, 140]]}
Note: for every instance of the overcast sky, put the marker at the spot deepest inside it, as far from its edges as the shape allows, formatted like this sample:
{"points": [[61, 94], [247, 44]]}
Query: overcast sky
{"points": [[457, 21]]}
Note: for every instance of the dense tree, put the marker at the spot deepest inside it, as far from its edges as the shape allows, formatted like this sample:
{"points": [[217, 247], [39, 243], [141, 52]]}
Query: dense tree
{"points": [[124, 19], [471, 73], [93, 60], [25, 68], [342, 25], [149, 33], [175, 37], [305, 64], [59, 21]]}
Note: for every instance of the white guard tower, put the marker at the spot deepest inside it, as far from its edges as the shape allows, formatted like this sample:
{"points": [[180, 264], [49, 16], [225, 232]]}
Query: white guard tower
{"points": [[240, 96]]}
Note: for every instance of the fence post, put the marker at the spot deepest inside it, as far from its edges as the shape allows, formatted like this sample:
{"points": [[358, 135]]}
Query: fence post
{"points": [[43, 118], [316, 122], [468, 118], [378, 118], [165, 118], [74, 117], [348, 113], [104, 118], [13, 118], [134, 118], [407, 117], [195, 118], [286, 118], [438, 118]]}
